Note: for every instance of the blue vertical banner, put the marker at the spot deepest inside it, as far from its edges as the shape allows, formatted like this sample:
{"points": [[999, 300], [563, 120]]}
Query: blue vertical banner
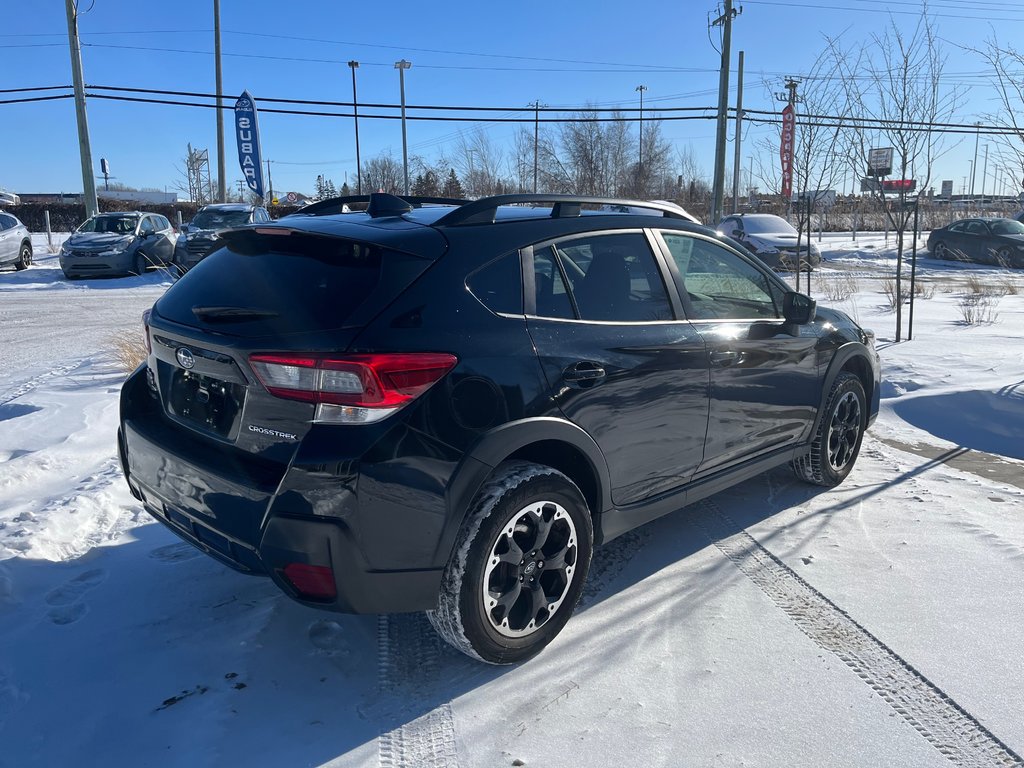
{"points": [[247, 132]]}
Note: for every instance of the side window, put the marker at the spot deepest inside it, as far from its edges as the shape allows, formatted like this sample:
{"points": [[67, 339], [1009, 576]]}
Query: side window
{"points": [[614, 278], [262, 214], [718, 284], [148, 226], [6, 222], [162, 223], [550, 292], [960, 226], [729, 225], [499, 285]]}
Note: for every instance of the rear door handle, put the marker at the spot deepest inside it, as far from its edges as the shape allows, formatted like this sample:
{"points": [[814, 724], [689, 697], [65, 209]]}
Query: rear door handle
{"points": [[583, 374]]}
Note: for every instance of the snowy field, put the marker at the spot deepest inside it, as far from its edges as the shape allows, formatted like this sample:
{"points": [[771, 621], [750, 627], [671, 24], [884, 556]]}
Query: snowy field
{"points": [[777, 624]]}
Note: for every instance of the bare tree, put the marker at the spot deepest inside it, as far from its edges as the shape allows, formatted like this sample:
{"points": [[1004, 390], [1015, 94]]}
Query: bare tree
{"points": [[479, 163], [383, 174], [1007, 63], [895, 82]]}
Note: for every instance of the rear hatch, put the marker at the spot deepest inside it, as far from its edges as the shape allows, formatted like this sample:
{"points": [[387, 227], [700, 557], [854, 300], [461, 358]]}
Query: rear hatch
{"points": [[270, 291], [209, 451]]}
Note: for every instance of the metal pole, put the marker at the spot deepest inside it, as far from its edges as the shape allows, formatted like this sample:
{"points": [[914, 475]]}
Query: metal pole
{"points": [[640, 166], [270, 185], [401, 66], [222, 189], [355, 116], [92, 205], [984, 173], [536, 142], [974, 165], [49, 232], [723, 107], [913, 273], [739, 137]]}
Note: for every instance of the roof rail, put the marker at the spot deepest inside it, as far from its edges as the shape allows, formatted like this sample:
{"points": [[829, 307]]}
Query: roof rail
{"points": [[484, 210], [338, 204]]}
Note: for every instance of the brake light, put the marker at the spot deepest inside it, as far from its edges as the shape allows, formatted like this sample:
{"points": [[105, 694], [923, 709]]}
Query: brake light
{"points": [[145, 332], [313, 582], [355, 389]]}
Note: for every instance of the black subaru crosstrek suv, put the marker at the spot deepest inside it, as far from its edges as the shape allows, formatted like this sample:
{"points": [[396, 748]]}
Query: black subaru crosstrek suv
{"points": [[447, 407]]}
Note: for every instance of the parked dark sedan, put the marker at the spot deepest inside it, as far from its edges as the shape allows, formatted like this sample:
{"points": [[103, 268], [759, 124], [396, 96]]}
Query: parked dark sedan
{"points": [[199, 237], [986, 241]]}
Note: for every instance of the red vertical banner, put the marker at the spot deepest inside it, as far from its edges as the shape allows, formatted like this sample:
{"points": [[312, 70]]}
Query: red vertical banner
{"points": [[786, 150]]}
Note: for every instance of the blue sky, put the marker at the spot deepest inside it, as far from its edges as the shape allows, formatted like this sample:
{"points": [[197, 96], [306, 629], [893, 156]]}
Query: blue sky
{"points": [[484, 54]]}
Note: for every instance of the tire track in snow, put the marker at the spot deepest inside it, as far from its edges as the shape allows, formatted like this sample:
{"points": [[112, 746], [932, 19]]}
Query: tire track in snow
{"points": [[939, 719], [409, 659]]}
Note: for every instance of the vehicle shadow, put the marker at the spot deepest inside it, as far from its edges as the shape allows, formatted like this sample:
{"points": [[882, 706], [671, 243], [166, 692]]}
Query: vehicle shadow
{"points": [[180, 656]]}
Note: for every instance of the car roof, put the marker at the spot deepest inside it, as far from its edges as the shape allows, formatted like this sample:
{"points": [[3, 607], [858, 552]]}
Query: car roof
{"points": [[228, 207]]}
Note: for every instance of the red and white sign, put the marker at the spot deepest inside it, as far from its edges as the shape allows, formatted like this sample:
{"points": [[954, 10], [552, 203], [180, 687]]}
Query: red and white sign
{"points": [[786, 150]]}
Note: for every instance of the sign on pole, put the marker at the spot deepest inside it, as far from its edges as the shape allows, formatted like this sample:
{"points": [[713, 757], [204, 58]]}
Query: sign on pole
{"points": [[947, 189], [880, 162], [786, 150], [247, 133]]}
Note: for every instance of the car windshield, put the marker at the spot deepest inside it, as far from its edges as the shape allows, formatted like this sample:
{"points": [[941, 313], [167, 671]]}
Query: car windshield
{"points": [[767, 225], [219, 219], [1006, 227], [122, 225]]}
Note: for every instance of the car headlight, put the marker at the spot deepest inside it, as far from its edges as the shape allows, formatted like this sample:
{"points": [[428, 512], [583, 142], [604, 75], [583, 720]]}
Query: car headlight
{"points": [[121, 246], [760, 247]]}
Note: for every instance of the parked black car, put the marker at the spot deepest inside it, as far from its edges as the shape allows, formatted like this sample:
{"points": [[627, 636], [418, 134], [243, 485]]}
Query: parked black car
{"points": [[15, 242], [199, 237], [121, 243], [983, 240], [445, 408]]}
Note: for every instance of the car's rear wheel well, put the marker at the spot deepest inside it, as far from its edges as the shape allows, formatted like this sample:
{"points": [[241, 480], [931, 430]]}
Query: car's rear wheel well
{"points": [[570, 462]]}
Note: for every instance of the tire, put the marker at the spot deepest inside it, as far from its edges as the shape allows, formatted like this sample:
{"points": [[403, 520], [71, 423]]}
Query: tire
{"points": [[1004, 256], [139, 264], [512, 584], [837, 442], [940, 250], [24, 257]]}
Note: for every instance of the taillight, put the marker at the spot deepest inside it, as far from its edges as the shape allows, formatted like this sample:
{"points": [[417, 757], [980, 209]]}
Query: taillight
{"points": [[145, 332], [313, 582], [356, 389]]}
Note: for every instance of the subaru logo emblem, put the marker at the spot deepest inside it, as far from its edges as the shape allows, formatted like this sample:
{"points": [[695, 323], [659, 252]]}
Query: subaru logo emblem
{"points": [[185, 358]]}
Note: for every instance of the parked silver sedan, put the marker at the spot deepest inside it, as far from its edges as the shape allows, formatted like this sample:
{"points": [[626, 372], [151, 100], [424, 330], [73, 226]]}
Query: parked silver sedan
{"points": [[15, 242]]}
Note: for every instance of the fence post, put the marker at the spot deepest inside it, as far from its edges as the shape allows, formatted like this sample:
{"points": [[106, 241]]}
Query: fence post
{"points": [[49, 233], [178, 216]]}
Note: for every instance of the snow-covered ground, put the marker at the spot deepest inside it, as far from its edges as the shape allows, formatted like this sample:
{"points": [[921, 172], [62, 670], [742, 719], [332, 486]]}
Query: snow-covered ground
{"points": [[877, 624]]}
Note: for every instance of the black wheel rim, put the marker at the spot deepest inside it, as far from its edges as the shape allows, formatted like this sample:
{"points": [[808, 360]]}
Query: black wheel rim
{"points": [[530, 568], [940, 250], [844, 431]]}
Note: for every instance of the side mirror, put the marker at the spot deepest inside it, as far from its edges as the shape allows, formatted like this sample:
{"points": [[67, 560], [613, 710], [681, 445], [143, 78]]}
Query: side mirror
{"points": [[184, 229], [798, 309], [737, 233]]}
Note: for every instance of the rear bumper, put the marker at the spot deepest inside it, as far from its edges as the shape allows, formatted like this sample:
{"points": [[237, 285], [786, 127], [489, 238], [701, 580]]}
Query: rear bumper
{"points": [[230, 507]]}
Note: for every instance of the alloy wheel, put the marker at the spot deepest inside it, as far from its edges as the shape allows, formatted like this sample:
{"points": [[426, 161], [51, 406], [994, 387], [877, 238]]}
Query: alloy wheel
{"points": [[844, 431], [529, 569]]}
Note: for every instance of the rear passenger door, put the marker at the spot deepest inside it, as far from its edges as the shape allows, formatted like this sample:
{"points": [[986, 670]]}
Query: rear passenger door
{"points": [[8, 239], [764, 373], [619, 360]]}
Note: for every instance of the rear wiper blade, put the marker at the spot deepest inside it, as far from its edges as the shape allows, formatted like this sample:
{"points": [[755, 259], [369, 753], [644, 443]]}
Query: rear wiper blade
{"points": [[227, 314]]}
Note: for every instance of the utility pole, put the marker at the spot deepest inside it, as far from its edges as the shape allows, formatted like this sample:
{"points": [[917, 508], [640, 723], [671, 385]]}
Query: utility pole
{"points": [[222, 190], [270, 186], [536, 141], [92, 205], [725, 22], [354, 65], [401, 66], [984, 173], [739, 138], [640, 166], [974, 165]]}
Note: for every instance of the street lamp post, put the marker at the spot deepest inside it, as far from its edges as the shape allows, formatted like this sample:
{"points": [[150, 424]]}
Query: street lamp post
{"points": [[401, 66], [354, 65], [640, 166]]}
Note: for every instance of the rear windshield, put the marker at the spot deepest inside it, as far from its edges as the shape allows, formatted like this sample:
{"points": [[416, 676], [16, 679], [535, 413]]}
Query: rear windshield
{"points": [[288, 284]]}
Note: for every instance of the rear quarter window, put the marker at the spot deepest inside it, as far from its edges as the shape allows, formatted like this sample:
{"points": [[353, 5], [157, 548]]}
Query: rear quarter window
{"points": [[499, 285]]}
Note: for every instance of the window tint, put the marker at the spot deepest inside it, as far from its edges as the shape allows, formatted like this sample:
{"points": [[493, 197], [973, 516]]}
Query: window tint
{"points": [[552, 297], [977, 228], [614, 278], [716, 283], [6, 222], [148, 225], [499, 285], [960, 226]]}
